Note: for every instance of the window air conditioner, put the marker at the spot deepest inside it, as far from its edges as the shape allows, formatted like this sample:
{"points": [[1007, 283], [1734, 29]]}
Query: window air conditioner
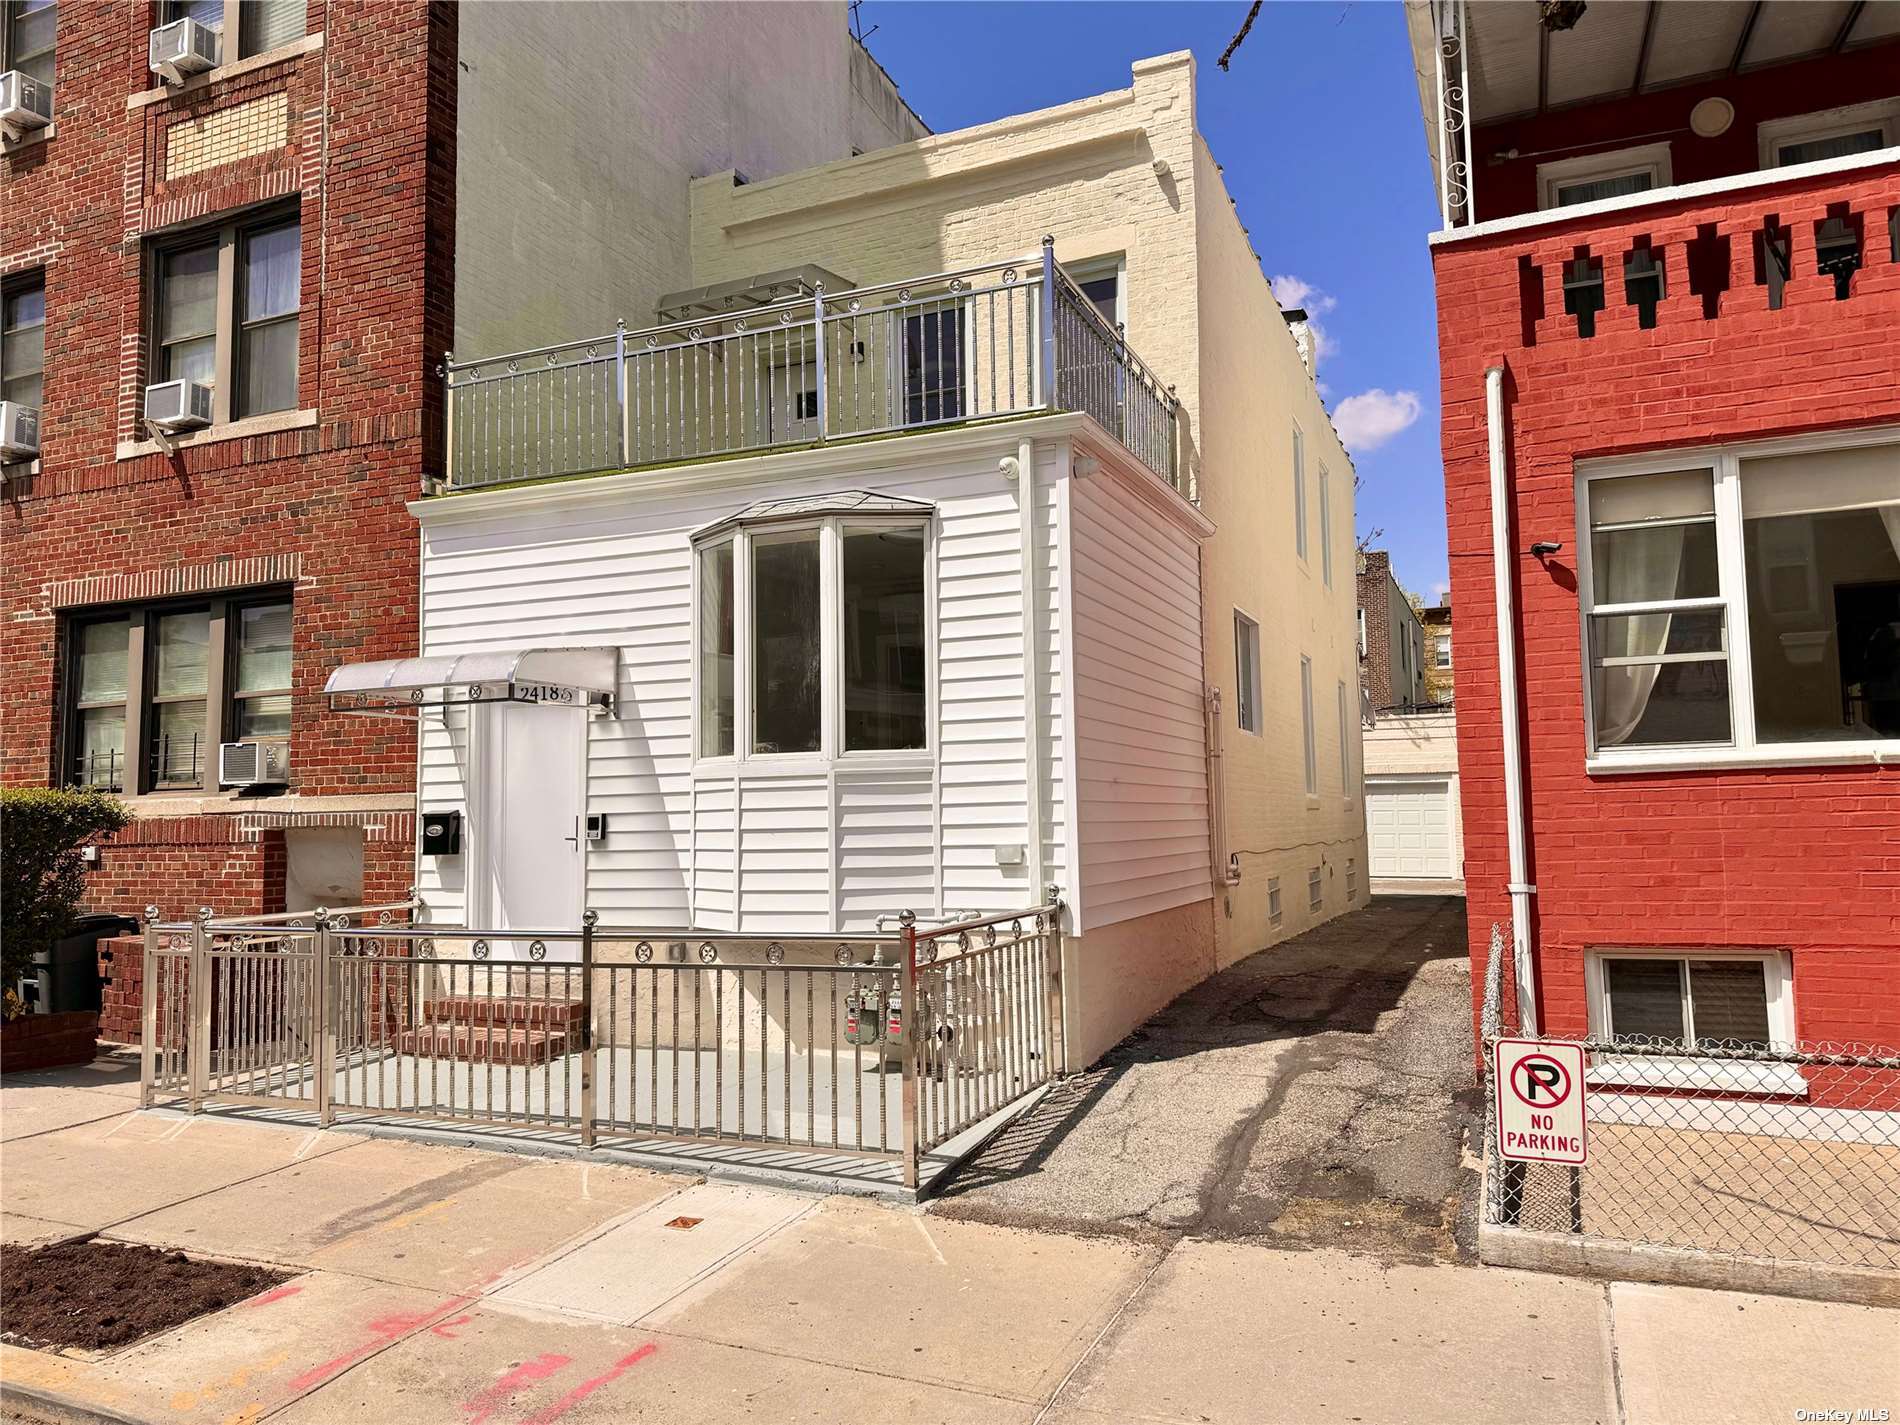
{"points": [[182, 48], [25, 103], [253, 764], [19, 431], [178, 405]]}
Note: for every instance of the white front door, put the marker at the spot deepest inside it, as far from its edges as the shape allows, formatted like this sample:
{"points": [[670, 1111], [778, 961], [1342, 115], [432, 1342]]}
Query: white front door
{"points": [[1408, 826], [532, 813]]}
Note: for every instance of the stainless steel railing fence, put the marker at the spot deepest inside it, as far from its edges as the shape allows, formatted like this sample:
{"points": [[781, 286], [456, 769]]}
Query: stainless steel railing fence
{"points": [[876, 1046], [972, 344]]}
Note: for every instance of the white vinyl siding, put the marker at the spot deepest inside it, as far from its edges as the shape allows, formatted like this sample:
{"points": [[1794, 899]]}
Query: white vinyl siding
{"points": [[830, 843], [1141, 757]]}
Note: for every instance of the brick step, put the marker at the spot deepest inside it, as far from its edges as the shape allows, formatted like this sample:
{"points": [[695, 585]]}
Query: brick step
{"points": [[484, 1009], [484, 1045]]}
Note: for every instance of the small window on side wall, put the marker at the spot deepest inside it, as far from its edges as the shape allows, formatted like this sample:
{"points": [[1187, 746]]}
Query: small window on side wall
{"points": [[1598, 176], [1246, 673], [23, 339]]}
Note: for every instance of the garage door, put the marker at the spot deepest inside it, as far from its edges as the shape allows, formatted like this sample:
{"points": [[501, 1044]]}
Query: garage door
{"points": [[1409, 827]]}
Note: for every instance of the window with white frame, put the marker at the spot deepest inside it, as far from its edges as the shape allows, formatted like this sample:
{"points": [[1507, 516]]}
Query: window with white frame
{"points": [[1345, 747], [1362, 633], [1441, 650], [771, 680], [1745, 602], [1306, 724], [1831, 133], [1299, 493], [1246, 672], [1597, 176], [1668, 998], [1326, 524]]}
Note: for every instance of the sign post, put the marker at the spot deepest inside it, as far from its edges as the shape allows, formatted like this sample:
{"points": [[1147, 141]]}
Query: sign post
{"points": [[1540, 1102]]}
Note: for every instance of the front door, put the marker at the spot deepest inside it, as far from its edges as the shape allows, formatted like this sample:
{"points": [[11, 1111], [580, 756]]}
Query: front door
{"points": [[531, 819]]}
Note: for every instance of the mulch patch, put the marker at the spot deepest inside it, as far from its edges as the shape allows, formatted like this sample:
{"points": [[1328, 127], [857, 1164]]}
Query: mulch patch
{"points": [[98, 1295]]}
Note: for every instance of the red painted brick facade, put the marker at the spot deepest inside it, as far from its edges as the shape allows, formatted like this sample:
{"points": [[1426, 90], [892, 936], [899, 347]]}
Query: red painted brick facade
{"points": [[1802, 858], [368, 157]]}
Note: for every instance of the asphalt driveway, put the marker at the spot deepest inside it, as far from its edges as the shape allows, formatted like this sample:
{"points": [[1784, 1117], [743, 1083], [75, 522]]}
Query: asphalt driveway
{"points": [[1317, 1093]]}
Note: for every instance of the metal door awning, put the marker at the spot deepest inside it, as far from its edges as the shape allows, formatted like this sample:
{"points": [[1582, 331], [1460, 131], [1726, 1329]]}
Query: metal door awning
{"points": [[560, 677]]}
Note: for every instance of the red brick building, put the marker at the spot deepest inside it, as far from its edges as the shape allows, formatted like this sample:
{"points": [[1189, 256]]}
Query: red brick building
{"points": [[1669, 288], [284, 220]]}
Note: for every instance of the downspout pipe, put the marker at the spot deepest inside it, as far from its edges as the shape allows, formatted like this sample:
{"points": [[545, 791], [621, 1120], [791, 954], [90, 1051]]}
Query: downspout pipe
{"points": [[1503, 567]]}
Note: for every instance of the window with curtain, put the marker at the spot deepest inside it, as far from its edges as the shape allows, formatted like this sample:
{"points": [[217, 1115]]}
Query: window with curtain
{"points": [[23, 340], [1591, 190], [180, 651], [886, 677], [271, 273], [152, 691], [1754, 601], [29, 37], [188, 314], [267, 24], [100, 685], [260, 686], [225, 307], [1659, 662]]}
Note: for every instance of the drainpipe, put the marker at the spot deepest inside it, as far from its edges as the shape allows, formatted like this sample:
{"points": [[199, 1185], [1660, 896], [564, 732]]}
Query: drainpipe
{"points": [[1503, 563], [1025, 476]]}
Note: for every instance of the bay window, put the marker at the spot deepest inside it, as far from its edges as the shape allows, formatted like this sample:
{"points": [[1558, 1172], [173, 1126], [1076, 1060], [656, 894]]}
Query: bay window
{"points": [[1744, 603], [812, 636]]}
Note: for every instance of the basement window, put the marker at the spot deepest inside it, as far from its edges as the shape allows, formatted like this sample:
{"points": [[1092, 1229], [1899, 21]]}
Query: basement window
{"points": [[1664, 999], [1746, 604]]}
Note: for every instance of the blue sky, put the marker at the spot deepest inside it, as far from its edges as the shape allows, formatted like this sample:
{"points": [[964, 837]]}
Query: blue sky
{"points": [[1317, 125]]}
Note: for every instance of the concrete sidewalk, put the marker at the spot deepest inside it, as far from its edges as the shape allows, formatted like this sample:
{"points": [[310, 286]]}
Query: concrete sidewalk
{"points": [[454, 1285]]}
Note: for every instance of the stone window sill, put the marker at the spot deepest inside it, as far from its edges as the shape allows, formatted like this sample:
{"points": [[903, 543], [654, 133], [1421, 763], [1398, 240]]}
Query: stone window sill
{"points": [[27, 139], [231, 430], [237, 69]]}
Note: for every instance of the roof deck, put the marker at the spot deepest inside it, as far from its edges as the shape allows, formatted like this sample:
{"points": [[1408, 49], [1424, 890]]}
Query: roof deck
{"points": [[755, 370]]}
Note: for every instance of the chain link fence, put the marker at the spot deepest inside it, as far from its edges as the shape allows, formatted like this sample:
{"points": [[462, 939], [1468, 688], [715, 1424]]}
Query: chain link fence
{"points": [[1786, 1152]]}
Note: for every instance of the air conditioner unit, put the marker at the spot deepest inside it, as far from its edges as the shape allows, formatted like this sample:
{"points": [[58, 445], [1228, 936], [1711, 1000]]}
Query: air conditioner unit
{"points": [[19, 431], [25, 103], [253, 764], [182, 48], [178, 405]]}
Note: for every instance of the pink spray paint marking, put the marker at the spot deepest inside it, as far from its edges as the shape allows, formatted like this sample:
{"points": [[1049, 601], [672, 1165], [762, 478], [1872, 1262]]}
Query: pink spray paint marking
{"points": [[382, 1332], [268, 1297], [587, 1387], [442, 1328], [485, 1403]]}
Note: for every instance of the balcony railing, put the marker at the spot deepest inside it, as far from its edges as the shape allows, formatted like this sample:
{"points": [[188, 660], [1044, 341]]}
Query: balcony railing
{"points": [[900, 356]]}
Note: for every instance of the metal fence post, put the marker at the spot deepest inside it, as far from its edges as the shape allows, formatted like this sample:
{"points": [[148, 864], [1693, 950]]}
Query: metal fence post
{"points": [[913, 1024], [588, 920], [1058, 1037], [620, 390], [198, 1054], [447, 369], [325, 1038], [1047, 336], [818, 361], [148, 1009]]}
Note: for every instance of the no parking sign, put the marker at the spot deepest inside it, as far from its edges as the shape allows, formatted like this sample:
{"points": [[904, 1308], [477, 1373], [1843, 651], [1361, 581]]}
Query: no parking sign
{"points": [[1540, 1101]]}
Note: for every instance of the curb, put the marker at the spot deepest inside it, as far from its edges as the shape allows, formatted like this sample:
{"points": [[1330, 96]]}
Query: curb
{"points": [[57, 1409]]}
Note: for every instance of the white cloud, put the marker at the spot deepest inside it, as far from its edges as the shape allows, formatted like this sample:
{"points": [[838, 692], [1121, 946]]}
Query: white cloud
{"points": [[1291, 291], [1371, 418]]}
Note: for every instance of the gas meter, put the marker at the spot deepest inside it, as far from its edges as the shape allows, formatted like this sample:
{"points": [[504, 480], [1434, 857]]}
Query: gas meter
{"points": [[863, 1016]]}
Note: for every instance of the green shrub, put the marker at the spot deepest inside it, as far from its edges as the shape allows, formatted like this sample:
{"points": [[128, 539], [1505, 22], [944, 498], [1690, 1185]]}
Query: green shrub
{"points": [[41, 874]]}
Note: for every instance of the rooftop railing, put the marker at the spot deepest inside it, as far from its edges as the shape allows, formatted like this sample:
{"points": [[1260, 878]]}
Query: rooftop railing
{"points": [[933, 351]]}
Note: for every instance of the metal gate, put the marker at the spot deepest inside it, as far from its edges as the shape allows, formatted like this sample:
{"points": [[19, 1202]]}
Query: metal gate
{"points": [[883, 1046]]}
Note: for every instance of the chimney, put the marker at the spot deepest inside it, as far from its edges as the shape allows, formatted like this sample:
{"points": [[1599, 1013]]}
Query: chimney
{"points": [[1302, 335]]}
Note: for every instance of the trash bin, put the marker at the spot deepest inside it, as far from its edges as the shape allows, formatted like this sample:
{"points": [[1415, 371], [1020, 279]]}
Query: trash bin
{"points": [[66, 977]]}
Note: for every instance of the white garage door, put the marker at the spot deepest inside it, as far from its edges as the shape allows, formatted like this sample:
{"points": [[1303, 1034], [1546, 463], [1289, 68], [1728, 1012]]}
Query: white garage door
{"points": [[1409, 827]]}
